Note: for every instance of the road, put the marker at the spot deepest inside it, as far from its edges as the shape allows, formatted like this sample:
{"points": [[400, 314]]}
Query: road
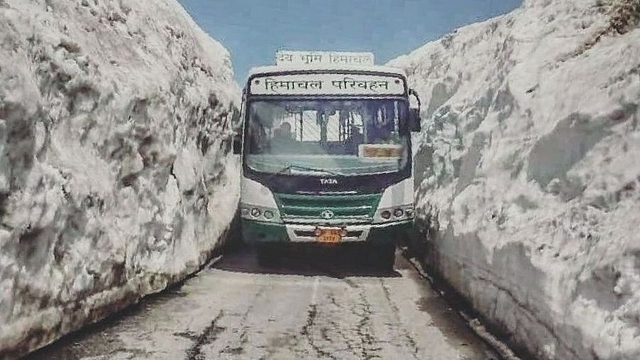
{"points": [[307, 307]]}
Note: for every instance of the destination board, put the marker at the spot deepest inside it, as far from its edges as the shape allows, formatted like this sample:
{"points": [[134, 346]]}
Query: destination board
{"points": [[324, 58], [327, 84], [380, 150]]}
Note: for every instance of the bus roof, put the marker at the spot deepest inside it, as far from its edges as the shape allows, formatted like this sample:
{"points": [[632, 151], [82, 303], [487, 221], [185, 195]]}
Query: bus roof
{"points": [[287, 68]]}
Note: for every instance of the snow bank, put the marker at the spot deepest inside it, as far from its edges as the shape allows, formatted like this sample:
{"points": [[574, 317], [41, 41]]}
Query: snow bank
{"points": [[115, 173], [528, 173]]}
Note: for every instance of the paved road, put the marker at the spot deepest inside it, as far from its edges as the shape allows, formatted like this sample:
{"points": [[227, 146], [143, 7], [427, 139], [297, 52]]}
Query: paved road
{"points": [[306, 308]]}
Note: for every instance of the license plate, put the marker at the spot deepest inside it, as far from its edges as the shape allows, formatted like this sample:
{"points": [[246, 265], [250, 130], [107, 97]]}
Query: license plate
{"points": [[330, 236]]}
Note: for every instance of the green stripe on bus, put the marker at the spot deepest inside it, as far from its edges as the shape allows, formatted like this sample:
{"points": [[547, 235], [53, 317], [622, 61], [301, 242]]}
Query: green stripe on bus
{"points": [[340, 205]]}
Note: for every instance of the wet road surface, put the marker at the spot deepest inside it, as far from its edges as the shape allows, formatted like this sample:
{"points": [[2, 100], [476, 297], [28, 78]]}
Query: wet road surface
{"points": [[306, 307]]}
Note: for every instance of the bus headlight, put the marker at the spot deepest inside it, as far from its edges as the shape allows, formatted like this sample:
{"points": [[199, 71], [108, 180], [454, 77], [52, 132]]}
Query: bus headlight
{"points": [[259, 213], [396, 213]]}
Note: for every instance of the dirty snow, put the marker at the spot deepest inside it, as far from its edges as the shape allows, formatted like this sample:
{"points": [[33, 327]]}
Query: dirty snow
{"points": [[114, 159], [529, 176]]}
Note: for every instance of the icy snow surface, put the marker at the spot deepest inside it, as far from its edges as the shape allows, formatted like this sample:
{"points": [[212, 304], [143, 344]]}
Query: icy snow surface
{"points": [[115, 173], [528, 172]]}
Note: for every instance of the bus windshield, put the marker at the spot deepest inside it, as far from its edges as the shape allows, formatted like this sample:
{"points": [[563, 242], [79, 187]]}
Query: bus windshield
{"points": [[327, 137]]}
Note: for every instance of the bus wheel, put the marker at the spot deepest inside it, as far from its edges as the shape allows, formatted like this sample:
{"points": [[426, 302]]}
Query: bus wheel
{"points": [[266, 254], [383, 257]]}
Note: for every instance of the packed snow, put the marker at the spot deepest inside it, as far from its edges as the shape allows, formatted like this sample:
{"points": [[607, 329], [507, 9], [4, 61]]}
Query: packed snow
{"points": [[116, 177], [528, 173]]}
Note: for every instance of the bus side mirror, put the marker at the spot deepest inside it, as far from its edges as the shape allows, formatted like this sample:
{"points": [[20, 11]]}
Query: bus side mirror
{"points": [[237, 145], [414, 114], [414, 120]]}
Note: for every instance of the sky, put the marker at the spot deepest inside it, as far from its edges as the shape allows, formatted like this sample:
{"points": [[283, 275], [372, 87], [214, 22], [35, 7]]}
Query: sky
{"points": [[253, 30]]}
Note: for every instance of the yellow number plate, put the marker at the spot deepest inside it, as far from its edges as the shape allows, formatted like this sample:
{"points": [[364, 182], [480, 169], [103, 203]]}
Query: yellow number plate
{"points": [[330, 236]]}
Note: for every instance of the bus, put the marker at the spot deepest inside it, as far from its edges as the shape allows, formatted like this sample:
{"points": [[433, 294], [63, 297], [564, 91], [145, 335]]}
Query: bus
{"points": [[326, 154]]}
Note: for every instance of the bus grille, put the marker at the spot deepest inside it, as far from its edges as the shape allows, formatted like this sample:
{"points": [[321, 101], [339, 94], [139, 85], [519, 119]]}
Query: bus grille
{"points": [[342, 207]]}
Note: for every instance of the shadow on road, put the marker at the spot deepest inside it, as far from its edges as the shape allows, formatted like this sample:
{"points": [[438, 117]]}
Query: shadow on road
{"points": [[338, 262]]}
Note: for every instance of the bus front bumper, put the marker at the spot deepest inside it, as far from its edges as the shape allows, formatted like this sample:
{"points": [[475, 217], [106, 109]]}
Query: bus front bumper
{"points": [[261, 232]]}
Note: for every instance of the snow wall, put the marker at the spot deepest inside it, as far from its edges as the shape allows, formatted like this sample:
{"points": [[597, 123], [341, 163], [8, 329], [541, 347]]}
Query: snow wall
{"points": [[528, 173], [116, 178]]}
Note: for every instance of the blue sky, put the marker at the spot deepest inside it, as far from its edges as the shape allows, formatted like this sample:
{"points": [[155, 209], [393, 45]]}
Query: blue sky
{"points": [[253, 30]]}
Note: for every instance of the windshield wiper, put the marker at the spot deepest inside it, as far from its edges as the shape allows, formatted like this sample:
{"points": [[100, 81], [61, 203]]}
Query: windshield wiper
{"points": [[304, 168]]}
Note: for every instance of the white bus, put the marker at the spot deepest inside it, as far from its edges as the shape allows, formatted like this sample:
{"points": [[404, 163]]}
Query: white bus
{"points": [[326, 154]]}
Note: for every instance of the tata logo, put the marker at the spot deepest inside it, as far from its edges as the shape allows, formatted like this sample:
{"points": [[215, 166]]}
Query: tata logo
{"points": [[327, 214], [328, 181]]}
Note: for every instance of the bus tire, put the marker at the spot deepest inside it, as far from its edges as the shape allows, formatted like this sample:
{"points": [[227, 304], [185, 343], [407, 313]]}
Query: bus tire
{"points": [[383, 257], [266, 254]]}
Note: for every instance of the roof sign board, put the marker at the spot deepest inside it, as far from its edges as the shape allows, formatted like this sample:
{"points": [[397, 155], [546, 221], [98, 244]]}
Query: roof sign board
{"points": [[324, 58], [327, 84]]}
